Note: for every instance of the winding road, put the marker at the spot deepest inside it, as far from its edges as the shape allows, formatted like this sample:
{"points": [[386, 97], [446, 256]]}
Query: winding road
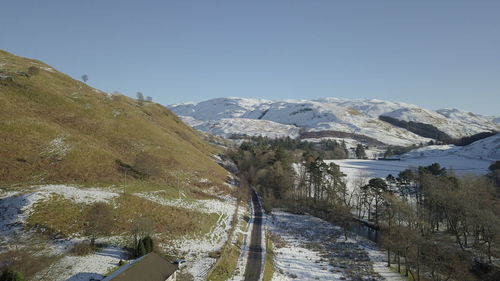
{"points": [[255, 254]]}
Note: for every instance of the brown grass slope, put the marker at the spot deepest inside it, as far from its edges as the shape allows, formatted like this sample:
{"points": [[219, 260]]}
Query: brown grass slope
{"points": [[54, 129]]}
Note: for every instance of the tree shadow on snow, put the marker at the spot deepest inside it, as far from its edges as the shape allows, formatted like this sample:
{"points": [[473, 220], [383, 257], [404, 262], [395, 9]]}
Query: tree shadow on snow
{"points": [[116, 253], [86, 276]]}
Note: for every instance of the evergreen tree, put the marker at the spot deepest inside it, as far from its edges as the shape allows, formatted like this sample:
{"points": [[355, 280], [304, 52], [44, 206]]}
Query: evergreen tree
{"points": [[141, 250], [360, 152], [390, 178], [376, 187], [148, 244]]}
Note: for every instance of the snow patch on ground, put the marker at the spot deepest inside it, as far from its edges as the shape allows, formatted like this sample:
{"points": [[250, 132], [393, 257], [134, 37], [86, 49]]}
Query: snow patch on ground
{"points": [[86, 196], [309, 248], [58, 147], [243, 258], [49, 69], [196, 250], [15, 208], [84, 268], [226, 206]]}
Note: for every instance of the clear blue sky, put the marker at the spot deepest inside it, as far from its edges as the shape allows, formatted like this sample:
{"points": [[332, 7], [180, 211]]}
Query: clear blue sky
{"points": [[432, 53]]}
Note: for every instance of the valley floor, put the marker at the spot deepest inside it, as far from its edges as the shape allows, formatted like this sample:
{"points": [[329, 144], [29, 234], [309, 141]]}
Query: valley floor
{"points": [[308, 248], [356, 169]]}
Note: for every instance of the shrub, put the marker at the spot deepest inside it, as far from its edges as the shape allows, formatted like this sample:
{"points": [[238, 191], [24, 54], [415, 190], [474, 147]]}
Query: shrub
{"points": [[214, 254], [11, 275], [141, 250], [33, 70], [82, 249], [148, 244], [25, 261]]}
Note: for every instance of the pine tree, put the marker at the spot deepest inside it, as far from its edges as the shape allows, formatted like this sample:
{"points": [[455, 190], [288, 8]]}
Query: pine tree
{"points": [[360, 152]]}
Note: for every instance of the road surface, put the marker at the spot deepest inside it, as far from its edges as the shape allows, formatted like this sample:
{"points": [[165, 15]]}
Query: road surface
{"points": [[255, 253]]}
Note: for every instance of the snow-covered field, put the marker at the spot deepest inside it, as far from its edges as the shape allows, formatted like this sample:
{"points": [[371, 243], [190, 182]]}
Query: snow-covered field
{"points": [[355, 169], [308, 248], [472, 159], [84, 268], [15, 208]]}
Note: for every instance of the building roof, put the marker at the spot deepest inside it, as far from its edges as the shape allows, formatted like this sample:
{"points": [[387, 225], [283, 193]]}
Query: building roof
{"points": [[150, 267]]}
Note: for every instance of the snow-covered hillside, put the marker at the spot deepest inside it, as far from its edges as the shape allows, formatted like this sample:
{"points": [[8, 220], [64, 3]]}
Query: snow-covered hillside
{"points": [[487, 149], [226, 116], [227, 127], [474, 158], [494, 119]]}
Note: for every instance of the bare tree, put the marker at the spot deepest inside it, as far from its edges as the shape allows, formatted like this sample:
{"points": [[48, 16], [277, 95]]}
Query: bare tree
{"points": [[85, 78], [148, 98], [140, 98], [99, 221], [140, 228]]}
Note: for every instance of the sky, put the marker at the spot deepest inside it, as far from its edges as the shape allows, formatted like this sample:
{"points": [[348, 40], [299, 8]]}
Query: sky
{"points": [[436, 54]]}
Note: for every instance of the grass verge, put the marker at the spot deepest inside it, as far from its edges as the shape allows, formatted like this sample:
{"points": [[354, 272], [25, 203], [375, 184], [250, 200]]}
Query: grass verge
{"points": [[269, 269], [228, 260]]}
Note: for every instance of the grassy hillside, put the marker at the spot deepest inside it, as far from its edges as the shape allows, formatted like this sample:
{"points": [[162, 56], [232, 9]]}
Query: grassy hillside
{"points": [[56, 129]]}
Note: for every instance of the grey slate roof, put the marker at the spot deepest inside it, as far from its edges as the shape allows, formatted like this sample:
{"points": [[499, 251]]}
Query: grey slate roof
{"points": [[150, 267]]}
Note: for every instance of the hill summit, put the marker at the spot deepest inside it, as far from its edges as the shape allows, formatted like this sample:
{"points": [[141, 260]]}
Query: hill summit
{"points": [[57, 129]]}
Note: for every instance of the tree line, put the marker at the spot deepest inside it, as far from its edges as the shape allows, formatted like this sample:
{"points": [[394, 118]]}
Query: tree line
{"points": [[433, 224]]}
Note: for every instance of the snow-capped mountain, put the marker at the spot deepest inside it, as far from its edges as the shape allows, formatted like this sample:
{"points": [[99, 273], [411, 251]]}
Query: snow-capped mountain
{"points": [[225, 116]]}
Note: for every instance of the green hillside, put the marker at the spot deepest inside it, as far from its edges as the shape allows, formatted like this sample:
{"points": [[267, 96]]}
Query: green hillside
{"points": [[54, 129]]}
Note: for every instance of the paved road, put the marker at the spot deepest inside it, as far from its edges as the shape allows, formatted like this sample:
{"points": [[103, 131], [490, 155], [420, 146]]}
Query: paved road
{"points": [[254, 264]]}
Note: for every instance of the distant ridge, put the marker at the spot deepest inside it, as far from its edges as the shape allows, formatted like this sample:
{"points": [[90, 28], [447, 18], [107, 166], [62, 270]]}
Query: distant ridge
{"points": [[224, 116]]}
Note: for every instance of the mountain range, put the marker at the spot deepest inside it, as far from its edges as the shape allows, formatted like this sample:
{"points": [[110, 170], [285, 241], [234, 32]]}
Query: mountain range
{"points": [[388, 122]]}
